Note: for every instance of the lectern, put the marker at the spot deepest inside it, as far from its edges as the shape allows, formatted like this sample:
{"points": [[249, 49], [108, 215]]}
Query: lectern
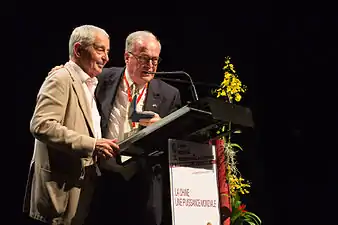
{"points": [[196, 122], [183, 138]]}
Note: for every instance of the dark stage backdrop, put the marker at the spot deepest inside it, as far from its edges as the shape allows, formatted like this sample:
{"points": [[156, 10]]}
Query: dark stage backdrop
{"points": [[288, 63]]}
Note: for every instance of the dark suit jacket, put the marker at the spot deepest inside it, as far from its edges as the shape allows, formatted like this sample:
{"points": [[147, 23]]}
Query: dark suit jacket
{"points": [[161, 98]]}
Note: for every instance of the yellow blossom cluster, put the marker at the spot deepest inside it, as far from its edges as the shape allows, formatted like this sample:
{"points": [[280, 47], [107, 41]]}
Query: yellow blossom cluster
{"points": [[238, 184], [231, 87]]}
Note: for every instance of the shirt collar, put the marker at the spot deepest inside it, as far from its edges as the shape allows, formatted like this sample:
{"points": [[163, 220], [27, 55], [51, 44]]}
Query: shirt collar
{"points": [[84, 77]]}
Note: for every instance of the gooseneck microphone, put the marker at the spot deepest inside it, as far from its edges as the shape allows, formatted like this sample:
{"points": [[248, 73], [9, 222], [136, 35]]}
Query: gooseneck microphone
{"points": [[194, 92]]}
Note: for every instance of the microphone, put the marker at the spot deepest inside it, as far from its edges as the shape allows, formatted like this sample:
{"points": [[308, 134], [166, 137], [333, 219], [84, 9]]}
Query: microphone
{"points": [[194, 92]]}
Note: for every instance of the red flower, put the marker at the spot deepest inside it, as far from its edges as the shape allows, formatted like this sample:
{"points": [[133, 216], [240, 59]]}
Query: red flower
{"points": [[242, 208]]}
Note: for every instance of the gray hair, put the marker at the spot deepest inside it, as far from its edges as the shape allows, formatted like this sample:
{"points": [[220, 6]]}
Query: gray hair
{"points": [[85, 35], [139, 35]]}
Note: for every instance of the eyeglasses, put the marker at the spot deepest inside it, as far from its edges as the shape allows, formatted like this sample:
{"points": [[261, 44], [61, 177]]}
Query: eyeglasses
{"points": [[144, 59]]}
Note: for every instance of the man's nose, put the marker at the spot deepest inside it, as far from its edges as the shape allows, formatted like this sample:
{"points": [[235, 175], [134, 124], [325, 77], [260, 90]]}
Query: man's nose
{"points": [[105, 58]]}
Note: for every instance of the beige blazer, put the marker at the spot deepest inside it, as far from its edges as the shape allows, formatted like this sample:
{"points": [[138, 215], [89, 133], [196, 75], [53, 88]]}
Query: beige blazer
{"points": [[64, 143]]}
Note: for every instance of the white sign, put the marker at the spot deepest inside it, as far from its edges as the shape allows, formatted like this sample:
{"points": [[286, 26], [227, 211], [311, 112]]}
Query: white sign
{"points": [[193, 183]]}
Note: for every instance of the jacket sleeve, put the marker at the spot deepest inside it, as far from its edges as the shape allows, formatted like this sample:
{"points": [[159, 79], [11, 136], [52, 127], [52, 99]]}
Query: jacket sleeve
{"points": [[46, 123]]}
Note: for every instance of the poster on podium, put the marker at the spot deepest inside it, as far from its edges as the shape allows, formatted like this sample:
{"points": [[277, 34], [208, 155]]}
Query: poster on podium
{"points": [[193, 183]]}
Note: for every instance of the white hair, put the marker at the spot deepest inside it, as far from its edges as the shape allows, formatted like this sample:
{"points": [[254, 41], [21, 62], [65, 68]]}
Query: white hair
{"points": [[139, 35], [85, 35]]}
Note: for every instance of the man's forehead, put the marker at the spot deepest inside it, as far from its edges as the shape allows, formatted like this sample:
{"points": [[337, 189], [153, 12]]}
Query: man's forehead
{"points": [[101, 37], [101, 40], [147, 46]]}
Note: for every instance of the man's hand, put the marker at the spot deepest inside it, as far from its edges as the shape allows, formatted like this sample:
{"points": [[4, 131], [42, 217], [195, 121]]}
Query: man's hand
{"points": [[55, 68], [147, 122], [105, 148]]}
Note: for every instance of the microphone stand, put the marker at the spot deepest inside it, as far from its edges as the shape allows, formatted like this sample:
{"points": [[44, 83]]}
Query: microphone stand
{"points": [[188, 82], [194, 92]]}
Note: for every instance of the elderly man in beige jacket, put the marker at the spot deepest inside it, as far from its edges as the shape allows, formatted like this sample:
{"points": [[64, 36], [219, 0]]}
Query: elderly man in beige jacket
{"points": [[66, 127]]}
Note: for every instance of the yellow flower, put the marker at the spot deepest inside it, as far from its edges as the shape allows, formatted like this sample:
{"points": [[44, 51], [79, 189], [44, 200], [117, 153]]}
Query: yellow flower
{"points": [[232, 68], [227, 75], [237, 185], [231, 86]]}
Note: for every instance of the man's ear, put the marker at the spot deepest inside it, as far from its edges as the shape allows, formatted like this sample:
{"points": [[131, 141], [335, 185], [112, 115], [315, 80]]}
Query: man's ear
{"points": [[126, 57], [77, 49]]}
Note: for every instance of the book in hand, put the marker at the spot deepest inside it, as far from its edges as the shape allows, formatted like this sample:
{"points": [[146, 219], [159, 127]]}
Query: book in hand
{"points": [[136, 116]]}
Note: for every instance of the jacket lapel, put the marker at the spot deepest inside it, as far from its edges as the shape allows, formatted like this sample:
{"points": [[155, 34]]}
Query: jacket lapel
{"points": [[78, 89], [153, 100], [107, 92]]}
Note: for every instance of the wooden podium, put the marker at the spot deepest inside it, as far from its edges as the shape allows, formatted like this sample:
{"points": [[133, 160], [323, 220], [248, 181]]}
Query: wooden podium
{"points": [[192, 126]]}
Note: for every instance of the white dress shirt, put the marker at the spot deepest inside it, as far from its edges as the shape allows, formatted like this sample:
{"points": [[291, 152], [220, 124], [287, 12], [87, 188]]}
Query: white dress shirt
{"points": [[119, 125], [85, 78]]}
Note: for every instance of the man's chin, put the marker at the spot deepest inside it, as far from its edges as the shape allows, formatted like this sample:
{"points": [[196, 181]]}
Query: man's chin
{"points": [[96, 72], [148, 77]]}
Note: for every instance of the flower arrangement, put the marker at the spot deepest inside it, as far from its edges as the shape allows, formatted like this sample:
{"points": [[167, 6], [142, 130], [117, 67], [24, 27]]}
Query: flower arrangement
{"points": [[231, 89]]}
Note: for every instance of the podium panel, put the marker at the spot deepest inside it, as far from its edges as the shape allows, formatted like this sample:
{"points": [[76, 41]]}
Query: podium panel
{"points": [[193, 183]]}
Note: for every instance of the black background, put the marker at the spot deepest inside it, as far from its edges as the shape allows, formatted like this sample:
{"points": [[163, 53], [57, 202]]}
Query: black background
{"points": [[287, 60]]}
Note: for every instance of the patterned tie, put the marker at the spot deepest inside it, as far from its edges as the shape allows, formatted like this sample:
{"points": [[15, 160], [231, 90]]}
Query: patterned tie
{"points": [[132, 107], [135, 90]]}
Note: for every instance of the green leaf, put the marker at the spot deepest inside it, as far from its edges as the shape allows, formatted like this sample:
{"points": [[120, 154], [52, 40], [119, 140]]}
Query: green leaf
{"points": [[235, 218], [236, 145], [249, 216], [250, 223], [238, 221], [223, 128]]}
